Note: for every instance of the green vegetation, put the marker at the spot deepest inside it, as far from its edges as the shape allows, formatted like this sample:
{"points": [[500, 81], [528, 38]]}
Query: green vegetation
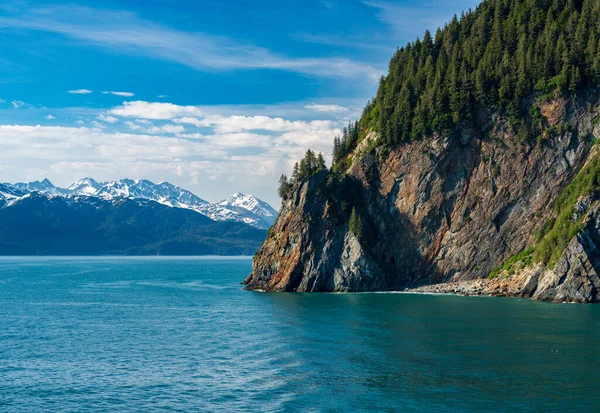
{"points": [[521, 260], [554, 239], [504, 55], [493, 57], [355, 224], [345, 144], [310, 165], [596, 120], [556, 233], [554, 131]]}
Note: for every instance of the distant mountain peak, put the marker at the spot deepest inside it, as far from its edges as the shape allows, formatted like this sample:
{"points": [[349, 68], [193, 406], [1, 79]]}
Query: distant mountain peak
{"points": [[44, 186], [84, 186], [244, 203], [238, 207]]}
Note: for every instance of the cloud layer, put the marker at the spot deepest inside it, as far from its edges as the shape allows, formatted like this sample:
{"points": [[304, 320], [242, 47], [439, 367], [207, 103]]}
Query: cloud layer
{"points": [[187, 145]]}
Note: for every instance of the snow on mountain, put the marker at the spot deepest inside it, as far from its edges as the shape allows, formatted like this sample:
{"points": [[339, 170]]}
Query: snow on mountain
{"points": [[9, 191], [45, 187], [221, 213], [250, 203], [9, 194], [84, 186], [238, 207], [253, 210], [164, 192]]}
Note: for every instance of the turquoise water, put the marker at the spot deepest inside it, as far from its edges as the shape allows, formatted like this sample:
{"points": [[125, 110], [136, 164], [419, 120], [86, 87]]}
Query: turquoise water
{"points": [[133, 335]]}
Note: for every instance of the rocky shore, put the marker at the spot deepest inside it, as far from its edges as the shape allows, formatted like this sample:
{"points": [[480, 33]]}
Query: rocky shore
{"points": [[496, 287]]}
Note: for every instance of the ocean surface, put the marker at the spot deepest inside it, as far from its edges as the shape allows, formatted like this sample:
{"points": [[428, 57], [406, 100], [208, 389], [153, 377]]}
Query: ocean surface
{"points": [[179, 334]]}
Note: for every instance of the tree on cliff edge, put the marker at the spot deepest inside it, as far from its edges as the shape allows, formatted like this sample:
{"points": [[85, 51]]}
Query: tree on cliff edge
{"points": [[284, 187]]}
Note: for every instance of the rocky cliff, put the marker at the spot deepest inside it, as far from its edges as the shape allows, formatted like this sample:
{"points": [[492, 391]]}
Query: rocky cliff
{"points": [[450, 208], [574, 278]]}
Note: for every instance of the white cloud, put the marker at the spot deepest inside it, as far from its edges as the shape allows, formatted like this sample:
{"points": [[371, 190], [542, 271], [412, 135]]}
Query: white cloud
{"points": [[50, 117], [168, 128], [124, 94], [79, 92], [192, 121], [154, 110], [20, 104], [126, 33], [162, 142], [237, 123], [107, 118], [371, 43], [326, 108], [148, 127], [133, 126], [92, 144]]}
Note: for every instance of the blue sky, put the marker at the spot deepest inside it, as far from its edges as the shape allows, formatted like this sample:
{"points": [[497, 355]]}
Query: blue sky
{"points": [[214, 96]]}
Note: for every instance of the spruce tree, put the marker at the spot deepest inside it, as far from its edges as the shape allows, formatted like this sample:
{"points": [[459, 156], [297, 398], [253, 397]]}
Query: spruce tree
{"points": [[355, 224], [284, 187], [321, 165]]}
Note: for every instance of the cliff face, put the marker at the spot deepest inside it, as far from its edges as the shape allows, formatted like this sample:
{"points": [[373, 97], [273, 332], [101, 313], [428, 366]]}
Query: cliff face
{"points": [[574, 278], [450, 208]]}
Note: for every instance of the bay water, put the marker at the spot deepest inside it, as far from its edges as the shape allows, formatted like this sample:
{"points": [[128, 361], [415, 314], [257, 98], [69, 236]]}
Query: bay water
{"points": [[97, 334]]}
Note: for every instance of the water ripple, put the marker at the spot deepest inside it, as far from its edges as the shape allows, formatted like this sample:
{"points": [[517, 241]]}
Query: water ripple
{"points": [[181, 335]]}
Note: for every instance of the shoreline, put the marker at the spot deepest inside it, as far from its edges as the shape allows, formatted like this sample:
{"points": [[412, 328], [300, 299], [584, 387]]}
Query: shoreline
{"points": [[508, 287]]}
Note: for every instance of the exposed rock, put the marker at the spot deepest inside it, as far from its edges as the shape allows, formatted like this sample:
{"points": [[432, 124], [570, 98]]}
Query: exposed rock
{"points": [[356, 271], [575, 276], [442, 210]]}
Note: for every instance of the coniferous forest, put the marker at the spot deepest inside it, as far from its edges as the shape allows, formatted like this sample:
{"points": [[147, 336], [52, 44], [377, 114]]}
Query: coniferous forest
{"points": [[497, 57], [493, 57]]}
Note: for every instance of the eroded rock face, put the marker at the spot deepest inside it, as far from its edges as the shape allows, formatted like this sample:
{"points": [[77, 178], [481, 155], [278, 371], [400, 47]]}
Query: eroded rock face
{"points": [[356, 271], [575, 276], [445, 209]]}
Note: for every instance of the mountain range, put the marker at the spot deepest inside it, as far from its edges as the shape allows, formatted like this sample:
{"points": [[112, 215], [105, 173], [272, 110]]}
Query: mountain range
{"points": [[237, 207], [38, 224]]}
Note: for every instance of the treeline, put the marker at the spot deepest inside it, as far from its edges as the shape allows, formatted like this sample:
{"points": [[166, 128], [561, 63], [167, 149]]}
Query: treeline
{"points": [[493, 57], [343, 145], [308, 166]]}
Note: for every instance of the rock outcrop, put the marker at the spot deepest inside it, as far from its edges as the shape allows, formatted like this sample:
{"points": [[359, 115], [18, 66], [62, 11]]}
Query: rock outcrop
{"points": [[441, 210]]}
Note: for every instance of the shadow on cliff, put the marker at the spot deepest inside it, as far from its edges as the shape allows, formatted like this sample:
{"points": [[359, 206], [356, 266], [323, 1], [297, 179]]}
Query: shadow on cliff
{"points": [[390, 239]]}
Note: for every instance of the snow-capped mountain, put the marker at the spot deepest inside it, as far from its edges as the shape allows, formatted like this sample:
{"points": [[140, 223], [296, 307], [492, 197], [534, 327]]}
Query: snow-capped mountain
{"points": [[38, 224], [238, 207], [44, 187], [239, 202], [9, 194], [164, 192], [84, 186]]}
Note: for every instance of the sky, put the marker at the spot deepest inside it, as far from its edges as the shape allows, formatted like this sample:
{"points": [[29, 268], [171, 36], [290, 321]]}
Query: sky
{"points": [[214, 96]]}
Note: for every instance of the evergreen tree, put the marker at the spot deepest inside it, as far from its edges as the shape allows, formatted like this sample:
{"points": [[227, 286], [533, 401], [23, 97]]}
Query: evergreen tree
{"points": [[284, 187], [355, 224], [492, 57], [295, 173], [321, 165], [337, 149]]}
